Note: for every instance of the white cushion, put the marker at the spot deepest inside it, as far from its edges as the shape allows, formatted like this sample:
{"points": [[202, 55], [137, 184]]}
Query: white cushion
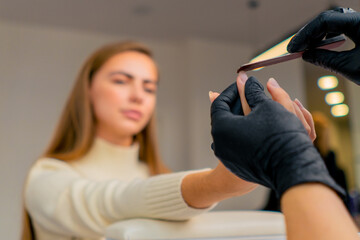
{"points": [[211, 225]]}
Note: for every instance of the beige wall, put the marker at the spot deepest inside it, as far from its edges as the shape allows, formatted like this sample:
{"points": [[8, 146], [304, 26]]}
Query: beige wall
{"points": [[38, 65]]}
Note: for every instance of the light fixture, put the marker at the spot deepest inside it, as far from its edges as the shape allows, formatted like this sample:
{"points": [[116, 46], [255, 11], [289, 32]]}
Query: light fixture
{"points": [[340, 110], [327, 82], [333, 98], [275, 51]]}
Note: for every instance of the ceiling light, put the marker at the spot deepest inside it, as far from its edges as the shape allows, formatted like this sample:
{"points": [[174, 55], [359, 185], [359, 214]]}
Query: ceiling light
{"points": [[327, 82], [332, 98], [340, 110]]}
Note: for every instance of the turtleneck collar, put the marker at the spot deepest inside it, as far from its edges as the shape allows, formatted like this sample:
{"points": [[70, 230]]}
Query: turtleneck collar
{"points": [[115, 151], [107, 152], [107, 160]]}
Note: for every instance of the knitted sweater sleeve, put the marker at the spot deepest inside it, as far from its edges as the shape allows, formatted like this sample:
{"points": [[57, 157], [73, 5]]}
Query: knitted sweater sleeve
{"points": [[61, 201]]}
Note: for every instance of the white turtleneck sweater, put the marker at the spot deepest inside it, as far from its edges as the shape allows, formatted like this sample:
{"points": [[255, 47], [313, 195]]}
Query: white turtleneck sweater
{"points": [[78, 200]]}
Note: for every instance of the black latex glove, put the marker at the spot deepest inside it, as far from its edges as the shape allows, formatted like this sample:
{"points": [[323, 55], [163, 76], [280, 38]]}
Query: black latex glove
{"points": [[330, 23], [269, 146]]}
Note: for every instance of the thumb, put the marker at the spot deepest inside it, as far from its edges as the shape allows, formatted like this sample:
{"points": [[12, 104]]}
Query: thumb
{"points": [[254, 92], [228, 101], [325, 58]]}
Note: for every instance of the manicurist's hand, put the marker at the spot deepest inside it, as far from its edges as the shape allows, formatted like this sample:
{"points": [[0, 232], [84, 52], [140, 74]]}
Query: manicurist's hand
{"points": [[333, 22], [222, 176], [201, 190], [279, 95], [270, 146]]}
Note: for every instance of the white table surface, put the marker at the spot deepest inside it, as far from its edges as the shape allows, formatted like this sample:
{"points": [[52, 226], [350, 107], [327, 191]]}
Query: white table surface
{"points": [[222, 225]]}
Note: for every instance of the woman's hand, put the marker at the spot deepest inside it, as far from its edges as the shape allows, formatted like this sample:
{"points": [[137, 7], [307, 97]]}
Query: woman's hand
{"points": [[269, 146], [201, 190], [235, 185], [279, 95]]}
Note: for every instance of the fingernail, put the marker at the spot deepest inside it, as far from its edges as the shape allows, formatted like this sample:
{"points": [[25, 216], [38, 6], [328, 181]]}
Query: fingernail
{"points": [[297, 101], [274, 83], [243, 77]]}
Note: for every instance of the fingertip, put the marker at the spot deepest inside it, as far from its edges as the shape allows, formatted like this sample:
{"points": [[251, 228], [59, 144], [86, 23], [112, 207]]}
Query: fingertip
{"points": [[273, 83], [240, 81], [243, 77], [213, 95], [210, 95], [297, 101], [290, 46], [293, 46], [273, 86]]}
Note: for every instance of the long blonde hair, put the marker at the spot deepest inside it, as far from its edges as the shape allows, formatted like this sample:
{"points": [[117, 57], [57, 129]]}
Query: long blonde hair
{"points": [[75, 131]]}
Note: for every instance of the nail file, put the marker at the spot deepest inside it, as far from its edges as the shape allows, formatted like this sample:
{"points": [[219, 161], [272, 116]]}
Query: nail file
{"points": [[329, 43]]}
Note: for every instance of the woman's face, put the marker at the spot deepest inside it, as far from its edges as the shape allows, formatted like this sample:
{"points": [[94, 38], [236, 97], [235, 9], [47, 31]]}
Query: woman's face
{"points": [[123, 95]]}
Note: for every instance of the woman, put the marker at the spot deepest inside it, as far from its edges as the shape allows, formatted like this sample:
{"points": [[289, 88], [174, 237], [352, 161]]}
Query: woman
{"points": [[102, 163]]}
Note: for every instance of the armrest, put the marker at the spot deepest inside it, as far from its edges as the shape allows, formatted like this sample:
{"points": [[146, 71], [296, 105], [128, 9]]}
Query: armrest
{"points": [[239, 224]]}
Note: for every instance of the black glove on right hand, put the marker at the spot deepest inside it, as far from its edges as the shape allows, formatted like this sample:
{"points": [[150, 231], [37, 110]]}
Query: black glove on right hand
{"points": [[269, 146], [333, 22]]}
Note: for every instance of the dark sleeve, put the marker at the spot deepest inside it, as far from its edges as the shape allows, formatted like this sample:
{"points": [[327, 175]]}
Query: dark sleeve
{"points": [[337, 174]]}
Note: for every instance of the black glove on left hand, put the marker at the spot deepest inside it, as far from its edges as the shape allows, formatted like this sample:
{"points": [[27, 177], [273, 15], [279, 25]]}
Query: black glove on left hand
{"points": [[269, 146]]}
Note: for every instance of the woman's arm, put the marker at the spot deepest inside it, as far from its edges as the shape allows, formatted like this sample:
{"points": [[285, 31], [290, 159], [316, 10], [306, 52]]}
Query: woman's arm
{"points": [[313, 211], [62, 202], [201, 190]]}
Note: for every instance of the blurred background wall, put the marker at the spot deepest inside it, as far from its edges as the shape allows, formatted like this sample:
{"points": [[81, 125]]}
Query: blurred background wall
{"points": [[198, 46]]}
